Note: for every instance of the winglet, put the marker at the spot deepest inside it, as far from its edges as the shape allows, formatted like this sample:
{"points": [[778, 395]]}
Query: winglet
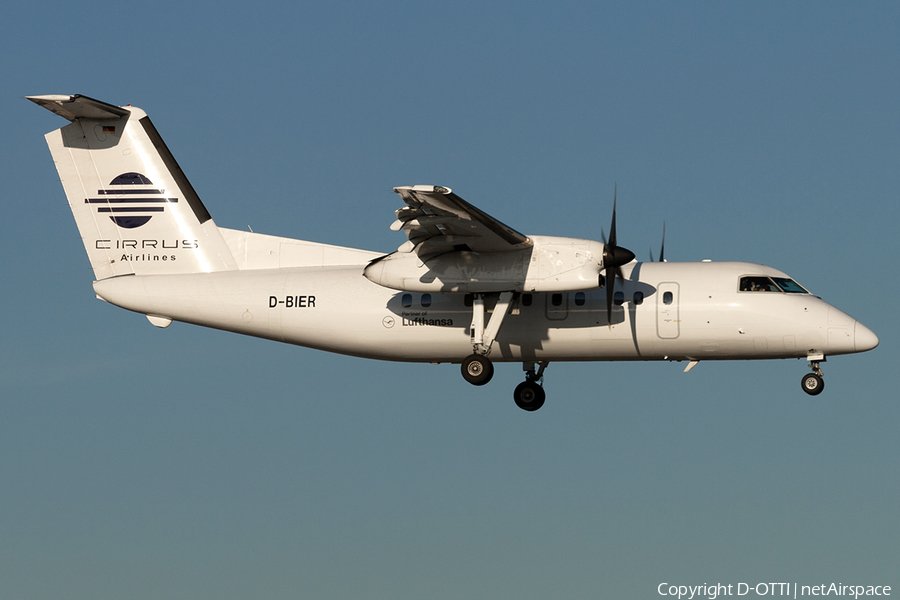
{"points": [[78, 107]]}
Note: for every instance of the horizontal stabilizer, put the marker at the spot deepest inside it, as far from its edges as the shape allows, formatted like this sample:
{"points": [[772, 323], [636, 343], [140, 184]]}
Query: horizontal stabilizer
{"points": [[78, 107]]}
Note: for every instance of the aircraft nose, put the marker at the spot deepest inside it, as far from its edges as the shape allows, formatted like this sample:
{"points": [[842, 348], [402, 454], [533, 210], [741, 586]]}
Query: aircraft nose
{"points": [[864, 338]]}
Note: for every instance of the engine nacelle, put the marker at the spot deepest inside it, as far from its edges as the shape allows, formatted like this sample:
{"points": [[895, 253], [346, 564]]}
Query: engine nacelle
{"points": [[552, 264]]}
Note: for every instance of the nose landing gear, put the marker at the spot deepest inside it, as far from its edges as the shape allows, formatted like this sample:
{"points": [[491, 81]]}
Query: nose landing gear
{"points": [[812, 383]]}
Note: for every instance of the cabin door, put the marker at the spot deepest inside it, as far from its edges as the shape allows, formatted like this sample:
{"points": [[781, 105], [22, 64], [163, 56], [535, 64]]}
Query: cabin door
{"points": [[668, 321]]}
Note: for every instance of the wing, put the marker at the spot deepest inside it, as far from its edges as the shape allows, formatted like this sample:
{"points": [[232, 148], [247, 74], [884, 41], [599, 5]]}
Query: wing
{"points": [[437, 221]]}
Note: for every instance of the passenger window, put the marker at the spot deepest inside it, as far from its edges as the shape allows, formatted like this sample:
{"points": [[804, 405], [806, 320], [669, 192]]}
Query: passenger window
{"points": [[668, 297], [426, 300], [579, 298], [406, 300], [526, 299], [469, 300], [639, 297], [619, 298], [758, 283], [556, 299]]}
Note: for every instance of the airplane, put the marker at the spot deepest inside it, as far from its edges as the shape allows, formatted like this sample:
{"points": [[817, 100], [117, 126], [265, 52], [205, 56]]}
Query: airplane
{"points": [[464, 288]]}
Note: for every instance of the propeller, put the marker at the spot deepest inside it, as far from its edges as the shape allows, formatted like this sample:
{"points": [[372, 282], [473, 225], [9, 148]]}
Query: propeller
{"points": [[662, 247], [613, 258]]}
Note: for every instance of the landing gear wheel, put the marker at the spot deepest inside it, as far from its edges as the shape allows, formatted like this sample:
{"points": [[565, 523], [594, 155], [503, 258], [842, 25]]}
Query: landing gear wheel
{"points": [[812, 384], [529, 396], [477, 369]]}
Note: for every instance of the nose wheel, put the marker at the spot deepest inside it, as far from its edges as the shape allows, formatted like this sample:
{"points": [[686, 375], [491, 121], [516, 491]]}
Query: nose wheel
{"points": [[812, 383]]}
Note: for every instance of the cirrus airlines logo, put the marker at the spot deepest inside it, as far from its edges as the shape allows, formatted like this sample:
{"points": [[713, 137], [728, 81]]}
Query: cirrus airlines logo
{"points": [[131, 200]]}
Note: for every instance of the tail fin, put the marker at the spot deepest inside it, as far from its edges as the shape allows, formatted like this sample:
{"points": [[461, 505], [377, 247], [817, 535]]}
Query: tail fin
{"points": [[135, 209]]}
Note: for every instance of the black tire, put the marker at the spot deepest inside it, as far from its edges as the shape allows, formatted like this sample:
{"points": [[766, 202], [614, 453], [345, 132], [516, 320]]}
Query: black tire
{"points": [[529, 396], [477, 369], [812, 384]]}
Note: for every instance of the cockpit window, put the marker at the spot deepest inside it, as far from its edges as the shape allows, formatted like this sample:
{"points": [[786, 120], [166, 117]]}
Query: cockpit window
{"points": [[789, 285], [758, 283]]}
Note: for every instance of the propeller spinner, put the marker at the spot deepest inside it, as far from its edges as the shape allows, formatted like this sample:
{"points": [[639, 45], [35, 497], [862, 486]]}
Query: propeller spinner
{"points": [[613, 258]]}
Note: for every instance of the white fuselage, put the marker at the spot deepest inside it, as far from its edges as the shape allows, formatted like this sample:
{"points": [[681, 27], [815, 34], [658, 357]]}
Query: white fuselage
{"points": [[464, 287], [669, 311]]}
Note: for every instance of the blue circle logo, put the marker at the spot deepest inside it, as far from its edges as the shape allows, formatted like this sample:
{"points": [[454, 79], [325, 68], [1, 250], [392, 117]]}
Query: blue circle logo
{"points": [[131, 200]]}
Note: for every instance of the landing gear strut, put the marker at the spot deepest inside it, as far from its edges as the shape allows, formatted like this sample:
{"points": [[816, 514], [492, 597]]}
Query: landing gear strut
{"points": [[529, 395], [812, 383], [477, 368]]}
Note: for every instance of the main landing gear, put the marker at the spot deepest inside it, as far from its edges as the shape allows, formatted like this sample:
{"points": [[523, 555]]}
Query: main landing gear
{"points": [[529, 395], [478, 369], [812, 383]]}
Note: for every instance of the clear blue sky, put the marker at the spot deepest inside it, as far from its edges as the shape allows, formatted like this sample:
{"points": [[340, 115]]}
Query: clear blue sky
{"points": [[190, 463]]}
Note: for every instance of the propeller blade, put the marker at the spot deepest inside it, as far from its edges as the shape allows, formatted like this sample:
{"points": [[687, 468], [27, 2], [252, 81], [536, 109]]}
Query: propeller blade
{"points": [[612, 228], [613, 259], [610, 284], [662, 248]]}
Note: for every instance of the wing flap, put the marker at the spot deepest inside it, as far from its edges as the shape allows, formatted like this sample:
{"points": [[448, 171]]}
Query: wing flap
{"points": [[436, 220]]}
